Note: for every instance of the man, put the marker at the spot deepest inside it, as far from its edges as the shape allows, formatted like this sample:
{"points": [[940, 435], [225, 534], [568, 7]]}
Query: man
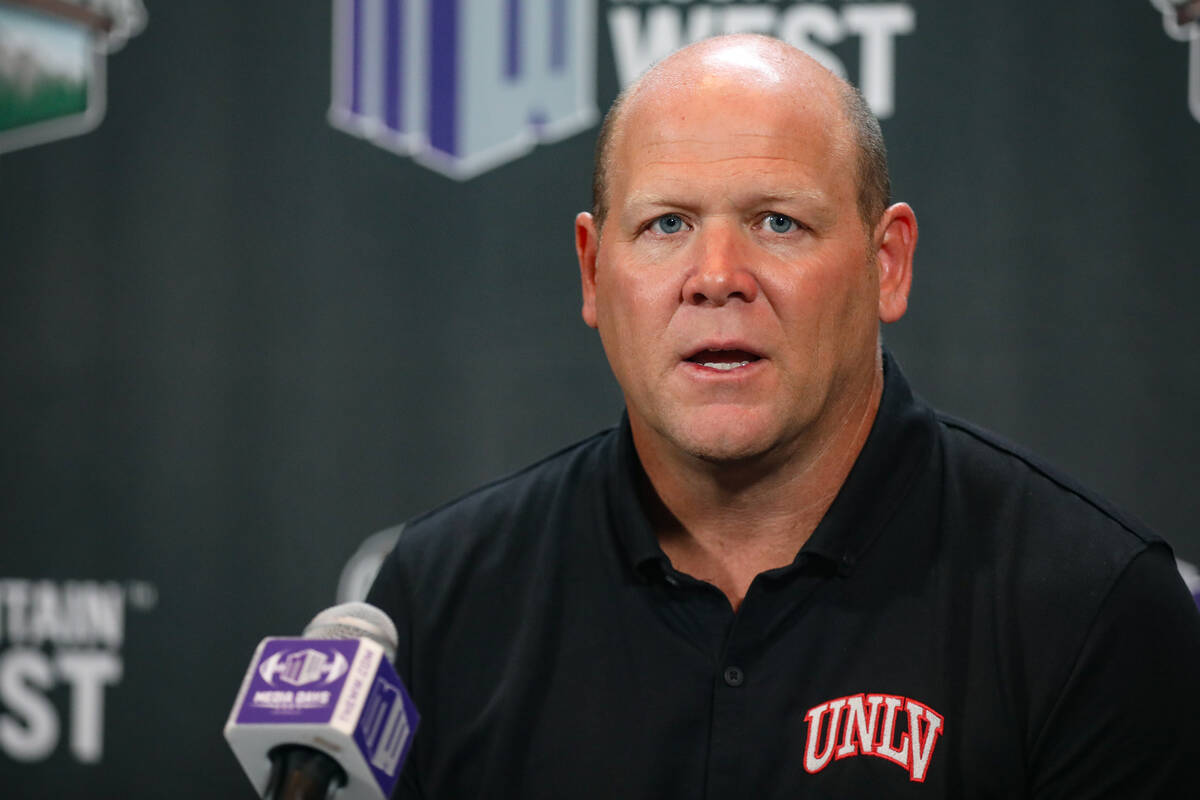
{"points": [[781, 575]]}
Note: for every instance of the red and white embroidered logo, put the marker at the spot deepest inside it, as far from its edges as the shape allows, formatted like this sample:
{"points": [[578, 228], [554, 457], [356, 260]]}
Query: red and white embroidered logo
{"points": [[870, 725]]}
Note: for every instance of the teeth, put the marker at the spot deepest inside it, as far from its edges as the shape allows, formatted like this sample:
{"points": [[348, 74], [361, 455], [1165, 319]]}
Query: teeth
{"points": [[725, 365]]}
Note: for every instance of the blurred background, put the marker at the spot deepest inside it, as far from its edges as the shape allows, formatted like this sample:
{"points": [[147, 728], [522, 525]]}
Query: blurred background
{"points": [[276, 276]]}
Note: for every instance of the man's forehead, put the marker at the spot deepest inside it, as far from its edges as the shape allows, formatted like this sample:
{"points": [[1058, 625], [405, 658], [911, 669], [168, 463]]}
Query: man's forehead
{"points": [[748, 60], [769, 88], [786, 145], [729, 133], [748, 65], [751, 96]]}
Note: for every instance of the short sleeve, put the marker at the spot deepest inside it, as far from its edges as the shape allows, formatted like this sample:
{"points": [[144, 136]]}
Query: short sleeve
{"points": [[1124, 723]]}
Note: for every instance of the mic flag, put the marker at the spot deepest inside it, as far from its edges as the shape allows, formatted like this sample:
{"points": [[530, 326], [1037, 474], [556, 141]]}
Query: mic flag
{"points": [[339, 696]]}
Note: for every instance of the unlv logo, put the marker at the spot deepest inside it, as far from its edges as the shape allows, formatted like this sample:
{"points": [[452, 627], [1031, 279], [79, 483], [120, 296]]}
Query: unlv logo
{"points": [[463, 85], [898, 729]]}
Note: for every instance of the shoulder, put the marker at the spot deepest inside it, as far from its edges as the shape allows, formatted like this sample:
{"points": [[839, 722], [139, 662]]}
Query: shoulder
{"points": [[467, 564], [1062, 577], [1021, 493], [1028, 533], [1052, 552], [506, 517]]}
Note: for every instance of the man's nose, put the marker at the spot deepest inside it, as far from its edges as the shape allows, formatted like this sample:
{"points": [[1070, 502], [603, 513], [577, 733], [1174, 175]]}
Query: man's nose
{"points": [[722, 270]]}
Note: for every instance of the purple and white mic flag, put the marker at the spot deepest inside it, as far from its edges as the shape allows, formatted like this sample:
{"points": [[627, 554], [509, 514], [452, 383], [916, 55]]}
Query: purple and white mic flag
{"points": [[341, 696]]}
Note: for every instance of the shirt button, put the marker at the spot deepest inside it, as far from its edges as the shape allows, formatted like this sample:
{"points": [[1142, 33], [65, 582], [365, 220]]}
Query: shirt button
{"points": [[734, 676], [671, 580]]}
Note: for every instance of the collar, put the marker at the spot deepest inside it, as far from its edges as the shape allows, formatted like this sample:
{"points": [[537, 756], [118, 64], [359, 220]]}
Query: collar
{"points": [[895, 454]]}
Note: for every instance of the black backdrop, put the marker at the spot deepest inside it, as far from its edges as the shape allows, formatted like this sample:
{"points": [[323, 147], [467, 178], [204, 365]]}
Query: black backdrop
{"points": [[237, 340]]}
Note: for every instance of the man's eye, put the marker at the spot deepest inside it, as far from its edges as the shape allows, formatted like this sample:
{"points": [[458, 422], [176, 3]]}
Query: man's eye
{"points": [[780, 223], [668, 223]]}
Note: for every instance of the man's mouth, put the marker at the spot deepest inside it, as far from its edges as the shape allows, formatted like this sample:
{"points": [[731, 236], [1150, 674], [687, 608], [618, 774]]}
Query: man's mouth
{"points": [[723, 360]]}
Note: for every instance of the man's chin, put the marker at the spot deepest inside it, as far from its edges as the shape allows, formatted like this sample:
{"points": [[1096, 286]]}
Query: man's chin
{"points": [[730, 453], [729, 443], [715, 435]]}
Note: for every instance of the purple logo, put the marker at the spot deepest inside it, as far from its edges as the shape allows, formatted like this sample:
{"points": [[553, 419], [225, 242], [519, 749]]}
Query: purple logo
{"points": [[303, 667], [340, 695], [463, 86], [385, 729], [297, 680]]}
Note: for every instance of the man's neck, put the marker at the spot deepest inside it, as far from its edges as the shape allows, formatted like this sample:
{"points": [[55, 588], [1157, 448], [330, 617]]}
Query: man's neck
{"points": [[727, 522]]}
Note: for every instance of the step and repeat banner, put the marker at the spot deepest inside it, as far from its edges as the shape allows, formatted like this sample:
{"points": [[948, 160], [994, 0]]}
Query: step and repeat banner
{"points": [[276, 276]]}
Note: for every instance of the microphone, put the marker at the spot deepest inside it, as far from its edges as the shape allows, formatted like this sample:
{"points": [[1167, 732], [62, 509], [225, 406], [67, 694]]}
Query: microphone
{"points": [[325, 715]]}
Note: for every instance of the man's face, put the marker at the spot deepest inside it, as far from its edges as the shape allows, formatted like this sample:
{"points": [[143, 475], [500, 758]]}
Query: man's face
{"points": [[734, 286]]}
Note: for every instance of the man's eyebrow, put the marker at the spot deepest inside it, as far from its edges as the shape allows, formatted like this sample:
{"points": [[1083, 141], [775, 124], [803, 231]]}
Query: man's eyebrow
{"points": [[643, 199], [791, 196]]}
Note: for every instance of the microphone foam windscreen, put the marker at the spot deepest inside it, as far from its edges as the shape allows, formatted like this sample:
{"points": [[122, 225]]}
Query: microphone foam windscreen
{"points": [[355, 620]]}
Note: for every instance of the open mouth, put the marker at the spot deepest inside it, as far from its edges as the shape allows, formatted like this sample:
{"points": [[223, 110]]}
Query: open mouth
{"points": [[723, 360]]}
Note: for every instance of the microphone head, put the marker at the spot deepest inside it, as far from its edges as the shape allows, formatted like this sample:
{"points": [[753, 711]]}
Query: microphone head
{"points": [[355, 620]]}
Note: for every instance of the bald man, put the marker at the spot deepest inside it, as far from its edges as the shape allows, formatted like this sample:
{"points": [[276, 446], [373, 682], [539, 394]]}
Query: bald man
{"points": [[781, 575]]}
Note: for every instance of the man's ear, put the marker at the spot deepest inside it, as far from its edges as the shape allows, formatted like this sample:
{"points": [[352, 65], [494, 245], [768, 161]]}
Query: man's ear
{"points": [[587, 242], [895, 241]]}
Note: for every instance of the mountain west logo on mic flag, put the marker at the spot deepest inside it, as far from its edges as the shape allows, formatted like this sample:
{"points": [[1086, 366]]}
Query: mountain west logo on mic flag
{"points": [[463, 85], [52, 65]]}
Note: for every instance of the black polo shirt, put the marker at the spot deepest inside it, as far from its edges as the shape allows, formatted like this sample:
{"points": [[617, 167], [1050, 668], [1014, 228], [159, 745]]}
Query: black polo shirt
{"points": [[964, 623]]}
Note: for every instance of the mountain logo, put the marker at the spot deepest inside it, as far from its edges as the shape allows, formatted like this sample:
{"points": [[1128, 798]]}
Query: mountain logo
{"points": [[52, 65], [463, 86]]}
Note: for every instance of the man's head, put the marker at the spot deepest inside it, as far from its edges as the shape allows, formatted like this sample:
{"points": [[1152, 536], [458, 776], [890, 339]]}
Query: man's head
{"points": [[874, 182], [738, 284]]}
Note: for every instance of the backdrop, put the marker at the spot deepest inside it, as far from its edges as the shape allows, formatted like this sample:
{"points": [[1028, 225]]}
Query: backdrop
{"points": [[275, 276]]}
